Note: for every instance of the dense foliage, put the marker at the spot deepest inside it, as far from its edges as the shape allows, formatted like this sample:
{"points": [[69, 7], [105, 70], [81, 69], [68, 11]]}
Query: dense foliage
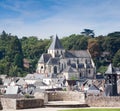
{"points": [[13, 51]]}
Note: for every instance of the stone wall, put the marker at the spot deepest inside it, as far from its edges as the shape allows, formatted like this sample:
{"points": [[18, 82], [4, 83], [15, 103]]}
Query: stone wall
{"points": [[29, 103], [94, 101], [9, 103], [66, 96], [42, 95], [0, 105]]}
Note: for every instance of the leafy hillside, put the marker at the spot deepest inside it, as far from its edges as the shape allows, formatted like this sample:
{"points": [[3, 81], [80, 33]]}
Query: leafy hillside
{"points": [[103, 49]]}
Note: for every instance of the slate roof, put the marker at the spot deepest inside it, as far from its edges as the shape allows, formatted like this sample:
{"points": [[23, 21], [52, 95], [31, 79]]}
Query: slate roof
{"points": [[34, 76], [93, 90], [110, 70], [88, 65], [44, 58], [99, 76], [81, 65], [93, 87], [69, 69], [21, 82], [52, 61], [78, 54], [55, 44], [39, 83], [69, 55]]}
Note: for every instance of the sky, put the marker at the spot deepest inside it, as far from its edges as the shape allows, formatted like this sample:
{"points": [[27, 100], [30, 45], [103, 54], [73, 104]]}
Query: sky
{"points": [[44, 18]]}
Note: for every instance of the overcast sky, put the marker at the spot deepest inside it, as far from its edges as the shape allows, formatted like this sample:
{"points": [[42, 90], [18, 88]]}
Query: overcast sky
{"points": [[43, 18]]}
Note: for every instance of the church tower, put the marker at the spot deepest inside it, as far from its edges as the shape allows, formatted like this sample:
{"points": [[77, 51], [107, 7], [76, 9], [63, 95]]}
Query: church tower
{"points": [[56, 49], [110, 81]]}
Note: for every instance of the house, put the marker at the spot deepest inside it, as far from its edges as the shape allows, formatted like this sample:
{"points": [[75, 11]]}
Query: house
{"points": [[21, 82], [12, 90], [68, 63], [93, 90], [32, 78]]}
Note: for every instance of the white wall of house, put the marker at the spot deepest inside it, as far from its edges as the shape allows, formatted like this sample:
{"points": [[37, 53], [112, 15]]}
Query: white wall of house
{"points": [[30, 81]]}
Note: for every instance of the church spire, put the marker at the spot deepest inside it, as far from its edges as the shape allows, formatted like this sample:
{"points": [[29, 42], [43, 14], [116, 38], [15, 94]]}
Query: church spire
{"points": [[56, 49]]}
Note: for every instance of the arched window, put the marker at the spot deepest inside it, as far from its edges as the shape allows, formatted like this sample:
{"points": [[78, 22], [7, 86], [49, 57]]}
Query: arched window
{"points": [[80, 75]]}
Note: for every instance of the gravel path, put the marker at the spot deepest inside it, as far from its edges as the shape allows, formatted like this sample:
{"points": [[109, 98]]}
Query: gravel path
{"points": [[40, 109], [54, 109]]}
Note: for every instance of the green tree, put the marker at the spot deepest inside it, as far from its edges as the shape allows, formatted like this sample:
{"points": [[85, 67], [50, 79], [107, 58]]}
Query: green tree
{"points": [[88, 32], [116, 59]]}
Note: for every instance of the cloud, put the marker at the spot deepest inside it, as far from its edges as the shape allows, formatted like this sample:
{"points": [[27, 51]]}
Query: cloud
{"points": [[62, 17]]}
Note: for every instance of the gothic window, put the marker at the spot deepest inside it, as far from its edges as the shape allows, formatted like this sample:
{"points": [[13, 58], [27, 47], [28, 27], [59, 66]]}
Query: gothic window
{"points": [[69, 62], [55, 69], [59, 63], [80, 75], [77, 61], [89, 71]]}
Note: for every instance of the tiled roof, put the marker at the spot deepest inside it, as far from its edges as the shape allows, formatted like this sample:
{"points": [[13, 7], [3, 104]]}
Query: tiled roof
{"points": [[55, 44]]}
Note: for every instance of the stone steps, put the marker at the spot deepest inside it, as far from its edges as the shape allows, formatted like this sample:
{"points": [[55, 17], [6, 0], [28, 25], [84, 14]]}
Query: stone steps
{"points": [[68, 104]]}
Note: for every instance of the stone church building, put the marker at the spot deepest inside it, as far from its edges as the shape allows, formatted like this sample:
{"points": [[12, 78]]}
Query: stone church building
{"points": [[72, 64]]}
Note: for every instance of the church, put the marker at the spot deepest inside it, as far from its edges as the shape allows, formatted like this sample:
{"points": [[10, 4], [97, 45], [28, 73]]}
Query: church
{"points": [[71, 64]]}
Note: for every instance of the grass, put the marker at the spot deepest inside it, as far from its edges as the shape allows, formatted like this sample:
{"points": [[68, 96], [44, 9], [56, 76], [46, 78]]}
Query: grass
{"points": [[101, 109]]}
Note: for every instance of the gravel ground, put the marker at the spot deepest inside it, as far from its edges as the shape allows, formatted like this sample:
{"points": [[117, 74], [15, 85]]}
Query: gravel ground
{"points": [[53, 109], [39, 109]]}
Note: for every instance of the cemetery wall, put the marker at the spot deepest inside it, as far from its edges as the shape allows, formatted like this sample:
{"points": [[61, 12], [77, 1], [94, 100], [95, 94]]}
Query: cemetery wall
{"points": [[94, 101], [66, 96], [42, 95], [9, 103]]}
